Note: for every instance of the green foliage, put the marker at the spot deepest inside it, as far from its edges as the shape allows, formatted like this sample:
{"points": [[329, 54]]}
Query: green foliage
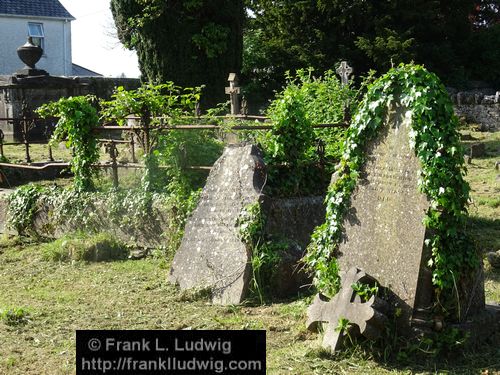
{"points": [[287, 35], [343, 325], [23, 207], [77, 121], [292, 135], [134, 211], [163, 104], [15, 316], [195, 42], [266, 254], [435, 345], [436, 142], [483, 60], [180, 149], [85, 247], [365, 291], [291, 146], [164, 100]]}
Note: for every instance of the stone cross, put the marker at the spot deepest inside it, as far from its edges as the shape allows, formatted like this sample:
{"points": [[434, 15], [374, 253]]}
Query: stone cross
{"points": [[344, 71], [365, 318], [233, 91]]}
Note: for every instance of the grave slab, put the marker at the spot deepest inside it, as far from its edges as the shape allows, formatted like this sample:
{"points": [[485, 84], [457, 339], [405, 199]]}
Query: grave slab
{"points": [[211, 255], [383, 230]]}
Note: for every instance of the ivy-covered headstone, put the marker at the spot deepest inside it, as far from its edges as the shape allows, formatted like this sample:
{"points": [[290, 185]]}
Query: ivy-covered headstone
{"points": [[384, 232], [397, 205]]}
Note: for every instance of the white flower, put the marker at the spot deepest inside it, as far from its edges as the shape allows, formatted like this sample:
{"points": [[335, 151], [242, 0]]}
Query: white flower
{"points": [[441, 190]]}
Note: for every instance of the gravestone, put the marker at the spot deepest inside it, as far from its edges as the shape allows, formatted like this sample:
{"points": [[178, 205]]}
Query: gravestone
{"points": [[211, 254], [344, 71], [383, 230], [233, 91]]}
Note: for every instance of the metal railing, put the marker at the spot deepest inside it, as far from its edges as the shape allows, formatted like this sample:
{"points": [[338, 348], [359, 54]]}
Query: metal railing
{"points": [[138, 134]]}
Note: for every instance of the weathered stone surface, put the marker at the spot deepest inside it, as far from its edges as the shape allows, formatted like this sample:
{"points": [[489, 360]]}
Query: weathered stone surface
{"points": [[4, 206], [494, 258], [365, 318], [383, 231], [294, 218], [211, 254], [477, 150]]}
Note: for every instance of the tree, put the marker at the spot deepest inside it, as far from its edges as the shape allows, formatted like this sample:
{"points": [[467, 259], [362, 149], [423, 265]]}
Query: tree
{"points": [[287, 34], [189, 42]]}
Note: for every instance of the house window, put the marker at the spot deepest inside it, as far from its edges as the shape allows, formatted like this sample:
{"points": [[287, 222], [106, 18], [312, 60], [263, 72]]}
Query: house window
{"points": [[35, 31]]}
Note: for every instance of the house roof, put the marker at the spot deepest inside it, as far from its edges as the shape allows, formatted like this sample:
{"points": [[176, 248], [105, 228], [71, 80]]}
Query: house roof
{"points": [[80, 71], [37, 8]]}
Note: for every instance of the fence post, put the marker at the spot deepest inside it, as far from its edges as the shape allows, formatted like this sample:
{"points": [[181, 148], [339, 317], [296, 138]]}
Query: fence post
{"points": [[27, 151], [132, 147], [51, 157], [113, 153], [2, 136]]}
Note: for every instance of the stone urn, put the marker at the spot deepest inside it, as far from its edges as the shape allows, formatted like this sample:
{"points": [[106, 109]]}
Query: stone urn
{"points": [[30, 53]]}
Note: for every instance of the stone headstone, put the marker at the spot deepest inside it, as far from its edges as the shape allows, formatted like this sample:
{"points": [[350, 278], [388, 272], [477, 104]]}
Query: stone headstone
{"points": [[211, 254], [383, 231], [233, 91], [344, 71]]}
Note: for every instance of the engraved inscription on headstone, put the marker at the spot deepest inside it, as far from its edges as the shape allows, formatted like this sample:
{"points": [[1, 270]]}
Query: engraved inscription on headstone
{"points": [[211, 254], [383, 231]]}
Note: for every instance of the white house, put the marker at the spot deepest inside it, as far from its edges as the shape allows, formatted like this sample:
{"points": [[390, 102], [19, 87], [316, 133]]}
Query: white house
{"points": [[48, 23]]}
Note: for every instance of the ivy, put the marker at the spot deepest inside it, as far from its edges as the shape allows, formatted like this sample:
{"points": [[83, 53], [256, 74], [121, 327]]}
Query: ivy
{"points": [[291, 147], [436, 143], [77, 120], [23, 207], [266, 252], [162, 104], [151, 100]]}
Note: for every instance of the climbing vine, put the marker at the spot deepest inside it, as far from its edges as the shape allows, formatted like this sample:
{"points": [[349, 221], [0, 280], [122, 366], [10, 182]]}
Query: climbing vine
{"points": [[436, 142], [23, 207], [266, 252], [77, 120]]}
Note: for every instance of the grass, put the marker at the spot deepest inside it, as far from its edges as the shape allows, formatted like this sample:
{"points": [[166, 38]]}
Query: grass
{"points": [[54, 298], [64, 296], [83, 247], [15, 154], [485, 192], [39, 153]]}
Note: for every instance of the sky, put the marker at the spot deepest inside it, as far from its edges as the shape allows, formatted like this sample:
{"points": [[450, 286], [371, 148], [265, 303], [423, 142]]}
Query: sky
{"points": [[93, 40]]}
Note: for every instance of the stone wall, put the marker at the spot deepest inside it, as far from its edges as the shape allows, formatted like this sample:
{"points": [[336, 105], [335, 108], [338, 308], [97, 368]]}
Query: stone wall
{"points": [[293, 218], [35, 91], [151, 234], [479, 107], [103, 87]]}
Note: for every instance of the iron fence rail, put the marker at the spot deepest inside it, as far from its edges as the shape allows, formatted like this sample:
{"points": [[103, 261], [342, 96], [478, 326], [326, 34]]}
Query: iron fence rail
{"points": [[111, 144]]}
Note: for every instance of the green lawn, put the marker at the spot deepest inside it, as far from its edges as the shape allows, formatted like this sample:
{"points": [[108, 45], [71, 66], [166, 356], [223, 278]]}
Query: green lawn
{"points": [[58, 298]]}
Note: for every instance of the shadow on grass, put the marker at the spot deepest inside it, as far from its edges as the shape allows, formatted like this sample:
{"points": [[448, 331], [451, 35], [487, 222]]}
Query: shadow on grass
{"points": [[486, 232]]}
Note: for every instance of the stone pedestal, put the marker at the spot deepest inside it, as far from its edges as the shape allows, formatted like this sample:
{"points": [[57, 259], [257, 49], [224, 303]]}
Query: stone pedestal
{"points": [[34, 91]]}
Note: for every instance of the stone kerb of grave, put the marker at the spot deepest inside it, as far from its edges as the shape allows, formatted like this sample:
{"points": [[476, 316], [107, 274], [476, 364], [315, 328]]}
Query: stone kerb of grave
{"points": [[383, 231], [211, 255]]}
